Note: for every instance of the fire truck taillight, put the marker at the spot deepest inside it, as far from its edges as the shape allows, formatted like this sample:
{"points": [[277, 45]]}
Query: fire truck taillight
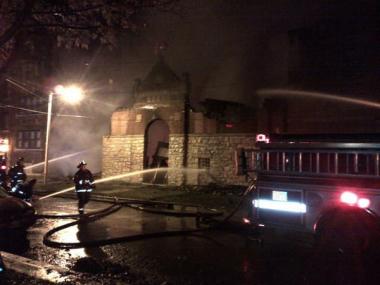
{"points": [[349, 198], [352, 199], [363, 203]]}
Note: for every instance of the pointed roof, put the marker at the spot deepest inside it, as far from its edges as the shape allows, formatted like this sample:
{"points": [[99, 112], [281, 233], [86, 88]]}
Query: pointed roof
{"points": [[160, 77]]}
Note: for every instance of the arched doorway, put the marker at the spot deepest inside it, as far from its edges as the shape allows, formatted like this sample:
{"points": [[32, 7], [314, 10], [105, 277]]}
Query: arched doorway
{"points": [[156, 150]]}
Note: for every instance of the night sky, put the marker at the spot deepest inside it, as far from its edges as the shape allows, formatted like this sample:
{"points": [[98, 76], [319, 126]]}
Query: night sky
{"points": [[232, 48]]}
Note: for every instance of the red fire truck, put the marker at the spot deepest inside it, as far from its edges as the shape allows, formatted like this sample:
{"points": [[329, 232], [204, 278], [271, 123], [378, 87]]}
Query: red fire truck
{"points": [[325, 185]]}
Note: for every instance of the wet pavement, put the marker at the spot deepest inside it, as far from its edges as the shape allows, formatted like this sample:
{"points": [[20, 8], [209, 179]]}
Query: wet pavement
{"points": [[209, 257]]}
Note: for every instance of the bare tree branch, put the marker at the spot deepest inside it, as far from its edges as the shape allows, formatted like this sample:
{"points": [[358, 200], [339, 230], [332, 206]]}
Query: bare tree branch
{"points": [[63, 26], [73, 23], [17, 23]]}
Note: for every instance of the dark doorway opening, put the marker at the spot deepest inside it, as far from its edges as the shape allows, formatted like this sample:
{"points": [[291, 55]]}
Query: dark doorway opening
{"points": [[156, 151]]}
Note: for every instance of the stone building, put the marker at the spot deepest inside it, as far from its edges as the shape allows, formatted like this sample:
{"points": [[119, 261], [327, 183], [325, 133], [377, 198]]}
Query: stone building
{"points": [[162, 129]]}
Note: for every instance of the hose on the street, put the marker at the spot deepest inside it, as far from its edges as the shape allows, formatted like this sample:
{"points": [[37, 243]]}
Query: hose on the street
{"points": [[142, 205]]}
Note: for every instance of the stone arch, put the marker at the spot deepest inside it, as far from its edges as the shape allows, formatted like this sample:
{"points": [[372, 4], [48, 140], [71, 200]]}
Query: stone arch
{"points": [[156, 150]]}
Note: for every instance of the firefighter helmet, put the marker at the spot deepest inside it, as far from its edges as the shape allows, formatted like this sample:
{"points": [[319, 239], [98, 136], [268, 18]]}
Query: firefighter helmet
{"points": [[81, 163], [20, 161]]}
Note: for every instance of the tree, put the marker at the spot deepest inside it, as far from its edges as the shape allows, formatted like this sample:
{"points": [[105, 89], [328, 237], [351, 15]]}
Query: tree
{"points": [[72, 23]]}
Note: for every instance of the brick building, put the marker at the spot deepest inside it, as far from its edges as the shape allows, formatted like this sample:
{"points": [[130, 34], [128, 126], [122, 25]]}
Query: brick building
{"points": [[162, 129], [22, 89]]}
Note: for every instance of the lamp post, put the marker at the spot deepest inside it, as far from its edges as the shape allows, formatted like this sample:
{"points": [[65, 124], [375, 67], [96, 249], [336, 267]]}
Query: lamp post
{"points": [[71, 94]]}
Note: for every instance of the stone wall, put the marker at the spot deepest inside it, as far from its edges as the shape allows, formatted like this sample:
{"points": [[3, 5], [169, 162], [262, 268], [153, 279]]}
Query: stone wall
{"points": [[175, 161], [218, 150], [123, 154]]}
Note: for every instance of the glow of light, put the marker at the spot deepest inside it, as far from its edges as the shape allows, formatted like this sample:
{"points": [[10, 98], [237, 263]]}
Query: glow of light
{"points": [[363, 203], [261, 138], [4, 148], [59, 89], [148, 107], [349, 198], [246, 221], [3, 167], [293, 207], [71, 94]]}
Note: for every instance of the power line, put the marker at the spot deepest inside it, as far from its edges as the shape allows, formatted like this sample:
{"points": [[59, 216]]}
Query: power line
{"points": [[15, 83], [22, 109], [41, 112]]}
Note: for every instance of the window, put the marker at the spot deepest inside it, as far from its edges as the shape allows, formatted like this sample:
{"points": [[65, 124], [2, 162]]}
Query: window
{"points": [[29, 139], [29, 70], [203, 162], [33, 102]]}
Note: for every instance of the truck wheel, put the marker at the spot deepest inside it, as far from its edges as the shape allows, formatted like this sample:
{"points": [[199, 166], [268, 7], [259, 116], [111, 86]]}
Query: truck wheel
{"points": [[344, 240], [348, 232], [342, 243]]}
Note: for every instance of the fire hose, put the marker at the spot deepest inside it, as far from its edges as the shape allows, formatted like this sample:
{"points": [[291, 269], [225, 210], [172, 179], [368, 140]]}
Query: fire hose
{"points": [[141, 205]]}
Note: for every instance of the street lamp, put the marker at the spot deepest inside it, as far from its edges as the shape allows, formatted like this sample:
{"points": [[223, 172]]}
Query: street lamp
{"points": [[71, 94]]}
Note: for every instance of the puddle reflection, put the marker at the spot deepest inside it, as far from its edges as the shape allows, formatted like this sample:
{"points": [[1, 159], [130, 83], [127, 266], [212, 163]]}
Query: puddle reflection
{"points": [[91, 231]]}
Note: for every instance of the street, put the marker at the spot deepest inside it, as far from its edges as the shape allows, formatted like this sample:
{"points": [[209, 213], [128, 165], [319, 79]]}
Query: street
{"points": [[210, 257], [226, 255]]}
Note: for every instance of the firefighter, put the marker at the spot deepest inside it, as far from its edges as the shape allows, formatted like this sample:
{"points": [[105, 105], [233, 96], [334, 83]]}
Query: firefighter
{"points": [[18, 177], [84, 184], [3, 173]]}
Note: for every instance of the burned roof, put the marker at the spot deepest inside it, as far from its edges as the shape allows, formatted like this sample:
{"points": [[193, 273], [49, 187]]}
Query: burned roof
{"points": [[160, 77]]}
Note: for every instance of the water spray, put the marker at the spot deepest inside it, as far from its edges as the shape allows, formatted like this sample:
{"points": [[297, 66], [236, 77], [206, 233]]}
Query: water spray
{"points": [[286, 92], [119, 176], [55, 159]]}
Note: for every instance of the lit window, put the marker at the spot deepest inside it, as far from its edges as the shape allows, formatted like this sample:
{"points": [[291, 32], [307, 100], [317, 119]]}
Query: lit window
{"points": [[29, 139]]}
